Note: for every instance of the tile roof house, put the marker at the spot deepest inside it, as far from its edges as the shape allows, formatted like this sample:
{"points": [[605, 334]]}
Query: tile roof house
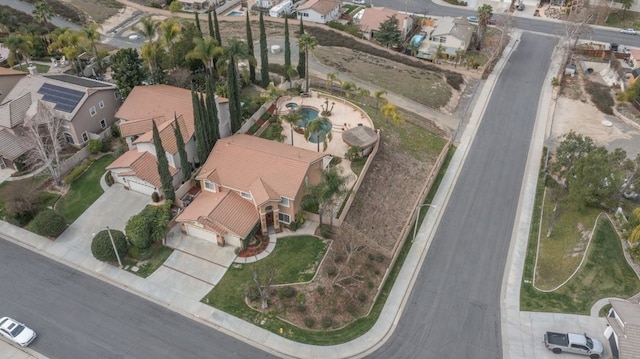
{"points": [[623, 329], [249, 181], [634, 57], [320, 11], [168, 106], [374, 16], [86, 107], [452, 33], [8, 79]]}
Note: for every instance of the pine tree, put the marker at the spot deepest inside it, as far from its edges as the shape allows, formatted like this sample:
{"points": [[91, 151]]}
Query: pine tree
{"points": [[301, 55], [233, 86], [201, 149], [264, 60], [163, 167], [198, 25], [211, 32], [252, 66], [287, 50], [215, 25], [212, 115], [182, 152]]}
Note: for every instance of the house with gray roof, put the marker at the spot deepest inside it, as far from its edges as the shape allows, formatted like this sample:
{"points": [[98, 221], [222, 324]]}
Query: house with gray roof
{"points": [[453, 34], [623, 329], [86, 108]]}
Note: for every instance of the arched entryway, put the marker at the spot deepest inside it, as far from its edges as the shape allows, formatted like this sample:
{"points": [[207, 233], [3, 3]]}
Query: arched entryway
{"points": [[268, 216]]}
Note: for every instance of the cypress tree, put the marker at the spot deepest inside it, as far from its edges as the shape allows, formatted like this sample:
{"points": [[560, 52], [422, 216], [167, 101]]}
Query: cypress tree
{"points": [[215, 25], [201, 149], [163, 166], [302, 55], [212, 115], [184, 160], [211, 32], [206, 124], [252, 66], [287, 50], [233, 85], [264, 60], [198, 25]]}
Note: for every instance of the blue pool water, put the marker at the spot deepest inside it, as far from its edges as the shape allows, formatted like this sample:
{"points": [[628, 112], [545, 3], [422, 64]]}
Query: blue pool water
{"points": [[235, 13], [310, 115]]}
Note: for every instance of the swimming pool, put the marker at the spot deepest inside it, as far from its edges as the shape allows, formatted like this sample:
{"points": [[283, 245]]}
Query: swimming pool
{"points": [[310, 115], [235, 13]]}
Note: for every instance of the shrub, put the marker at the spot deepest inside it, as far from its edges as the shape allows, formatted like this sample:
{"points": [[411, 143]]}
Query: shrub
{"points": [[320, 290], [293, 226], [95, 146], [48, 223], [302, 308], [139, 231], [277, 69], [77, 171], [286, 292], [309, 322], [352, 309], [101, 246], [326, 231], [109, 179], [370, 284], [106, 146], [361, 297], [155, 197], [326, 322], [601, 97], [115, 130], [454, 79], [331, 271], [300, 297]]}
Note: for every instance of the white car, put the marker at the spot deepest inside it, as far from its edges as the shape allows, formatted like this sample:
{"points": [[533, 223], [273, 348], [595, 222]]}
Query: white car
{"points": [[16, 331], [628, 31], [359, 2]]}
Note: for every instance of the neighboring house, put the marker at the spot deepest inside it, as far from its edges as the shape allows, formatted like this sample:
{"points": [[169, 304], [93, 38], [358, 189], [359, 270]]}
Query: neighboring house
{"points": [[86, 107], [634, 58], [195, 4], [137, 168], [372, 17], [8, 79], [623, 330], [249, 183], [634, 76], [452, 34], [320, 11]]}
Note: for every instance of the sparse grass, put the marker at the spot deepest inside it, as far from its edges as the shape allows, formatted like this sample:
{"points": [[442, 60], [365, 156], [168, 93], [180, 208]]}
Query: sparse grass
{"points": [[631, 19], [42, 69], [84, 190], [601, 97]]}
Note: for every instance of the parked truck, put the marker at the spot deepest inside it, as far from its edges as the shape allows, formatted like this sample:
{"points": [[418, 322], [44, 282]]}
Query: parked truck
{"points": [[573, 343]]}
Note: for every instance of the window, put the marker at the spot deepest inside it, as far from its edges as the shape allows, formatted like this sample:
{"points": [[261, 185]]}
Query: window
{"points": [[442, 39], [103, 123], [68, 138], [92, 111], [246, 195], [284, 201], [283, 217], [85, 137], [209, 186], [101, 104]]}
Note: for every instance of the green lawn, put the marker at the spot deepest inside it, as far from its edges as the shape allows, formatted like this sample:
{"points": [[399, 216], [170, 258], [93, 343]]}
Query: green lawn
{"points": [[605, 273], [42, 69], [84, 190], [159, 254]]}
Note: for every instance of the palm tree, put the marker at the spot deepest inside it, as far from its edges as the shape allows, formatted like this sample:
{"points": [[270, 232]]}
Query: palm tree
{"points": [[150, 52], [293, 118], [237, 50], [484, 15], [390, 111], [206, 50], [92, 35], [362, 94], [379, 96], [322, 194], [626, 5], [148, 28], [307, 43], [169, 32], [42, 13], [348, 86], [331, 78], [459, 54], [316, 127], [20, 46], [69, 43]]}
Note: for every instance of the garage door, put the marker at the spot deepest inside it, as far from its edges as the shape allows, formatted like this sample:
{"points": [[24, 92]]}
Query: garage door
{"points": [[201, 233], [141, 187]]}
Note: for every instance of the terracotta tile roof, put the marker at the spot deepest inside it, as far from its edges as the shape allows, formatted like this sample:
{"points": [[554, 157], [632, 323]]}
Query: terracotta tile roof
{"points": [[239, 161], [629, 336], [322, 7], [6, 71], [222, 212], [142, 164], [374, 16], [138, 127], [160, 102], [167, 135], [635, 53]]}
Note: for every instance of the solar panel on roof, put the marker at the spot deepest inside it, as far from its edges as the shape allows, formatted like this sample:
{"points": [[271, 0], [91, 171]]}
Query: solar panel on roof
{"points": [[65, 99]]}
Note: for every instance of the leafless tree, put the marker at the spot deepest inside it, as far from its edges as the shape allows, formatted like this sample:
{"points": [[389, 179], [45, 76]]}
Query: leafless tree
{"points": [[263, 279], [506, 26], [20, 198], [43, 131], [577, 24]]}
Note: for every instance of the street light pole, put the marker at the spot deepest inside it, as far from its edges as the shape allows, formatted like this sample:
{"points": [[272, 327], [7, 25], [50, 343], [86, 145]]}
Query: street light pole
{"points": [[113, 243], [418, 211]]}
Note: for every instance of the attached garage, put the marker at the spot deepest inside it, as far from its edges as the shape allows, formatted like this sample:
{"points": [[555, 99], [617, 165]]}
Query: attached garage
{"points": [[201, 233], [140, 186]]}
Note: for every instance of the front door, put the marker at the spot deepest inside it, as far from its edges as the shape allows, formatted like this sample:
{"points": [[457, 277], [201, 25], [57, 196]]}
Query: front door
{"points": [[268, 217]]}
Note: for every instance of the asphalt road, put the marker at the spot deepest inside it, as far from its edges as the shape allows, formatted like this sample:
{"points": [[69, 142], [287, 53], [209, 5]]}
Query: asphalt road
{"points": [[454, 309], [78, 316]]}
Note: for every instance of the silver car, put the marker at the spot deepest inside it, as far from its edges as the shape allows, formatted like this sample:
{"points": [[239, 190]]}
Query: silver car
{"points": [[628, 31], [16, 331]]}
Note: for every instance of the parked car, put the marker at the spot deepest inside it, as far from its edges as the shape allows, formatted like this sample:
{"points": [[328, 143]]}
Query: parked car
{"points": [[628, 31], [520, 6], [573, 343], [359, 2], [16, 331], [473, 19]]}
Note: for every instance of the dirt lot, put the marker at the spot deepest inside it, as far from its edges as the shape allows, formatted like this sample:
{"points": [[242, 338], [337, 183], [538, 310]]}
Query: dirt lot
{"points": [[96, 10]]}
